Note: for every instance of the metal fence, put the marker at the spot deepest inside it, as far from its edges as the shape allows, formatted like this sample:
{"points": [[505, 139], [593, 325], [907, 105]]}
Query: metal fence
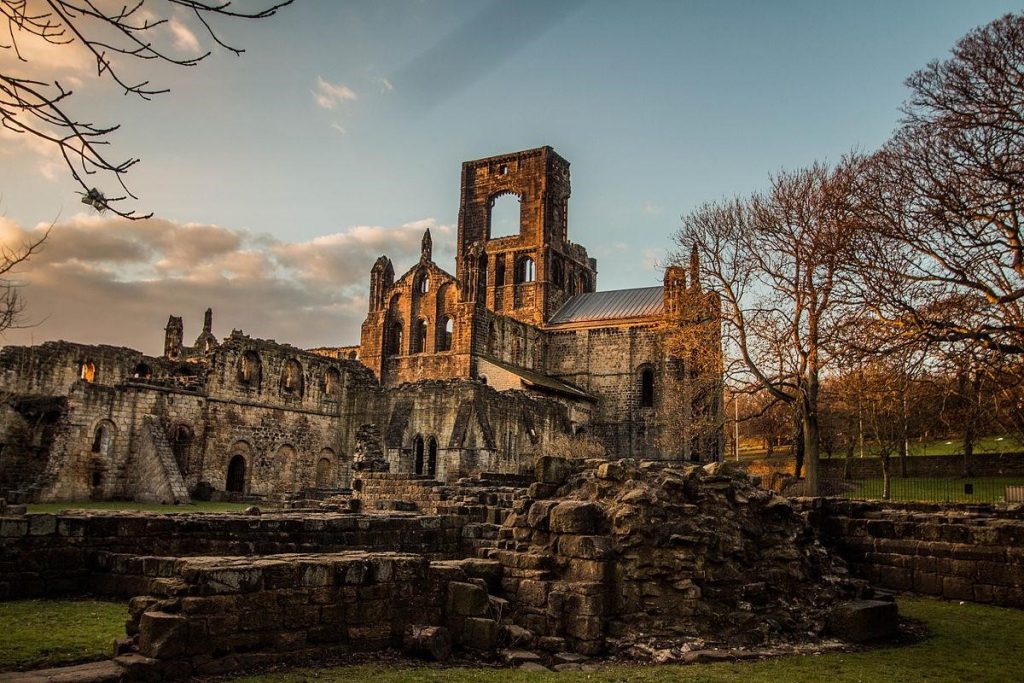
{"points": [[923, 489]]}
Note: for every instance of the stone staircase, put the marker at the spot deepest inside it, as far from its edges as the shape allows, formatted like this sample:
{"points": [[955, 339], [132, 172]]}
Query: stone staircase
{"points": [[168, 472], [483, 502]]}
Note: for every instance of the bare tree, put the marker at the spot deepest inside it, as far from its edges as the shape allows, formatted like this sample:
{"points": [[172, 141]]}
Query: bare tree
{"points": [[945, 260], [776, 260], [12, 258], [112, 35]]}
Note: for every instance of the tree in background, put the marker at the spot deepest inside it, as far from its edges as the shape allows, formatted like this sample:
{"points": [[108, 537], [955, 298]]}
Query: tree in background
{"points": [[776, 260], [112, 35], [944, 259]]}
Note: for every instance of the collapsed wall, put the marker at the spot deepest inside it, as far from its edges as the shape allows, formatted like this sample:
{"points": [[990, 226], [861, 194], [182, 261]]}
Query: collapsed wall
{"points": [[622, 552]]}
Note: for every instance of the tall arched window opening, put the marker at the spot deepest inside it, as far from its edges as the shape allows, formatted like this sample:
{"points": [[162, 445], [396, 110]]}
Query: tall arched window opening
{"points": [[647, 388], [444, 338], [526, 270], [505, 216], [417, 452], [419, 336], [236, 475], [394, 344], [432, 457]]}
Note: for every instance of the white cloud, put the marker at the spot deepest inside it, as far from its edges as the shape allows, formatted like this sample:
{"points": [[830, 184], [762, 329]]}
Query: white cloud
{"points": [[101, 279], [328, 95], [338, 127], [385, 85], [184, 39], [650, 208]]}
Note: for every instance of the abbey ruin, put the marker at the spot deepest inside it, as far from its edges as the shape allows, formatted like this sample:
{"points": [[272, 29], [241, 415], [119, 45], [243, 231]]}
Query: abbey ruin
{"points": [[480, 371]]}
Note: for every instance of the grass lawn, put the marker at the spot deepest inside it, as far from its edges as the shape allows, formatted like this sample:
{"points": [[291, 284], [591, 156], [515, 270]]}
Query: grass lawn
{"points": [[985, 489], [41, 633], [987, 444], [967, 643], [115, 505]]}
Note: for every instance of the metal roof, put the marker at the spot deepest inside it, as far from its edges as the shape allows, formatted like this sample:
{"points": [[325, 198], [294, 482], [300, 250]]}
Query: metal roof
{"points": [[617, 304]]}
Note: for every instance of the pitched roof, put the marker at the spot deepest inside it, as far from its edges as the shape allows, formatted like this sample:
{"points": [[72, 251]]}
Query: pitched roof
{"points": [[541, 381], [613, 305]]}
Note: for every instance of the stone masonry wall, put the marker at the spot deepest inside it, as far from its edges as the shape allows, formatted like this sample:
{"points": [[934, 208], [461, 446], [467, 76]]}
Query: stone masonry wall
{"points": [[957, 552], [217, 614], [42, 554]]}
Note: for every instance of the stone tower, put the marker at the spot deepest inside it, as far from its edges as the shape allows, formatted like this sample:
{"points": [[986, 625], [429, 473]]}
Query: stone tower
{"points": [[530, 274], [173, 338]]}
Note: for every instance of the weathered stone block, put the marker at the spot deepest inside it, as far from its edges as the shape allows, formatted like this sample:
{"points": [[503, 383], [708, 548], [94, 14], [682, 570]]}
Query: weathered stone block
{"points": [[863, 620], [576, 517], [466, 599], [162, 635], [479, 634], [551, 469]]}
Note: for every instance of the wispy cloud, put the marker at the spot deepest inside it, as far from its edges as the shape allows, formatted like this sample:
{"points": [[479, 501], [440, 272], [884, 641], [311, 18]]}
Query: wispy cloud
{"points": [[184, 39], [329, 95], [385, 85], [102, 279], [650, 208], [338, 127]]}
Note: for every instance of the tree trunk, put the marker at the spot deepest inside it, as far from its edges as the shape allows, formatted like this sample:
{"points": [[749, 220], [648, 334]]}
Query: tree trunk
{"points": [[798, 441], [904, 442], [810, 430], [846, 463], [886, 477]]}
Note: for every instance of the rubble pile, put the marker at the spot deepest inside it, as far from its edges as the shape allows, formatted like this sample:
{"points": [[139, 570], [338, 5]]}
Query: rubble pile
{"points": [[619, 553]]}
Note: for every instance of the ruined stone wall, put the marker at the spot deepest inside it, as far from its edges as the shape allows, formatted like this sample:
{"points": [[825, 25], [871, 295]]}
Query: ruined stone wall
{"points": [[476, 428], [42, 554], [607, 363], [957, 552]]}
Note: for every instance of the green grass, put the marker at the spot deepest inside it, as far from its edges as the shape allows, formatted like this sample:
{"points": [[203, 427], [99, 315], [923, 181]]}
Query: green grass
{"points": [[42, 633], [986, 489], [114, 505], [944, 446], [966, 643]]}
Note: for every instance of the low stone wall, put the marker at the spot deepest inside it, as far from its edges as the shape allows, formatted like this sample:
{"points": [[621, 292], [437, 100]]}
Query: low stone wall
{"points": [[42, 554], [219, 614], [959, 552]]}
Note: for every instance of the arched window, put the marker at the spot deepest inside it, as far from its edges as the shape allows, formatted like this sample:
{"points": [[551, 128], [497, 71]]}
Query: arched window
{"points": [[417, 451], [571, 285], [499, 270], [481, 284], [419, 336], [292, 381], [250, 368], [142, 371], [647, 388], [423, 283], [352, 355], [394, 344], [236, 474], [526, 270], [431, 457], [332, 383], [557, 275], [87, 371], [505, 216], [102, 438], [325, 470], [444, 337], [181, 441]]}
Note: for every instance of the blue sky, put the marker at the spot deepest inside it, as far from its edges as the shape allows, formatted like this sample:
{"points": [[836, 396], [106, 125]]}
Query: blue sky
{"points": [[340, 132]]}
